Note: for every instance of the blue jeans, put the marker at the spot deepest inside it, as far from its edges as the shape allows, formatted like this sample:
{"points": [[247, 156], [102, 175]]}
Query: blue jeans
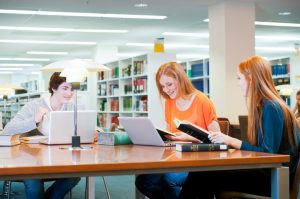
{"points": [[159, 186], [35, 188]]}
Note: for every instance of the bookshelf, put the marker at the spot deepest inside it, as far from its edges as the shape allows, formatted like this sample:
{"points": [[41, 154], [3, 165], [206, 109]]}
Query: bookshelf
{"points": [[129, 89], [198, 73], [14, 103]]}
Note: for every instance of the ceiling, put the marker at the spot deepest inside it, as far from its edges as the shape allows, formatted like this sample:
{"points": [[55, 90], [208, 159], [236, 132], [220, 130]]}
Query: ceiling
{"points": [[182, 16]]}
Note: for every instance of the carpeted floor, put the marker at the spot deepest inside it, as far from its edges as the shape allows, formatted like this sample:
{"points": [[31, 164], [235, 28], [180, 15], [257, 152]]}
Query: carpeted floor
{"points": [[120, 187]]}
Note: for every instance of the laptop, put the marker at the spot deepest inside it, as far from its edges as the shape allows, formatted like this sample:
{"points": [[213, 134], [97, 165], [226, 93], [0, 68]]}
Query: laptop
{"points": [[60, 127], [142, 131]]}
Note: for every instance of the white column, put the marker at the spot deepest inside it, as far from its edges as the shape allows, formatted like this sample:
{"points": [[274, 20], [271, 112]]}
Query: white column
{"points": [[231, 39]]}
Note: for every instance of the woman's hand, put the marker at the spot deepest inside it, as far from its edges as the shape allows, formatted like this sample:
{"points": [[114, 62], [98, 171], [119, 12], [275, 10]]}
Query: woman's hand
{"points": [[219, 137], [180, 136]]}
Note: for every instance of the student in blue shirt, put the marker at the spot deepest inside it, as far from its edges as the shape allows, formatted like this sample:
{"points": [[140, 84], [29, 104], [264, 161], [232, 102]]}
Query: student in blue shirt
{"points": [[271, 128]]}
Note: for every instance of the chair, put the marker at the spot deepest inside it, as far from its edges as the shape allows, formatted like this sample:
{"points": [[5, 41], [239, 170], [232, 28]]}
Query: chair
{"points": [[243, 120], [224, 125], [294, 190]]}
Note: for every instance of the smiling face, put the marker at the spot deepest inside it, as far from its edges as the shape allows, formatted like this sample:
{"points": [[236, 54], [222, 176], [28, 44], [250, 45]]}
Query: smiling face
{"points": [[243, 83], [63, 93], [169, 86]]}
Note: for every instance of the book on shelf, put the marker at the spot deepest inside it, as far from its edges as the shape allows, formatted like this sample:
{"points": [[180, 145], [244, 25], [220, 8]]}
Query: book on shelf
{"points": [[189, 147], [192, 130], [9, 140], [113, 138]]}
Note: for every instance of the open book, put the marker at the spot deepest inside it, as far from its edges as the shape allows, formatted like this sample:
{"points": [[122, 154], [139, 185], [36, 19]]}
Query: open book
{"points": [[163, 132], [33, 139], [9, 140], [192, 130]]}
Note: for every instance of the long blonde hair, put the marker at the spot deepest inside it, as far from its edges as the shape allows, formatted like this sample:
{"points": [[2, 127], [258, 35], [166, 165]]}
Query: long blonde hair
{"points": [[257, 72], [175, 71]]}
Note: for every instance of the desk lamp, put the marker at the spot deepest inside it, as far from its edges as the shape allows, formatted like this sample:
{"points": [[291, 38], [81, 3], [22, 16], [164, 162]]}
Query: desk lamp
{"points": [[75, 71]]}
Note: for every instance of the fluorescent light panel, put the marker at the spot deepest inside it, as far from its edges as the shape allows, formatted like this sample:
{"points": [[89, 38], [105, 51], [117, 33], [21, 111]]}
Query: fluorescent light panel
{"points": [[6, 72], [169, 45], [23, 59], [16, 64], [46, 53], [45, 29], [48, 42], [80, 14], [11, 68], [205, 35], [264, 23]]}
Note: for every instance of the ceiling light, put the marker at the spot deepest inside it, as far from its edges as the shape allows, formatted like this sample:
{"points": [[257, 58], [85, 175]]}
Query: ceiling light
{"points": [[189, 56], [11, 68], [264, 23], [284, 13], [16, 64], [275, 49], [46, 53], [23, 59], [45, 29], [6, 72], [169, 45], [80, 14], [206, 35], [278, 38], [36, 72], [48, 42]]}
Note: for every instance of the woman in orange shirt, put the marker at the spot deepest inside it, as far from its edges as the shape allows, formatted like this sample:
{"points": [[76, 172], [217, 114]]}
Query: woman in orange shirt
{"points": [[182, 101]]}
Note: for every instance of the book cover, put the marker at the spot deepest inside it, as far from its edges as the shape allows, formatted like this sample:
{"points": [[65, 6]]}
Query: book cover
{"points": [[114, 138], [192, 130], [9, 140], [201, 147], [162, 133]]}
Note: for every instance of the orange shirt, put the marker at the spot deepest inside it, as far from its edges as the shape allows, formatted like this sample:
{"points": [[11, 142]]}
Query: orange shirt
{"points": [[200, 112]]}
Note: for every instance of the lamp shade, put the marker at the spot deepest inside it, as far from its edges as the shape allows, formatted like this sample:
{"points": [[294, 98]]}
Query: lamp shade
{"points": [[75, 64]]}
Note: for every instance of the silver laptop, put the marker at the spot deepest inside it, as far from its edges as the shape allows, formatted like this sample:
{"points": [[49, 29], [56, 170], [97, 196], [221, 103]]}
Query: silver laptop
{"points": [[61, 127], [142, 131]]}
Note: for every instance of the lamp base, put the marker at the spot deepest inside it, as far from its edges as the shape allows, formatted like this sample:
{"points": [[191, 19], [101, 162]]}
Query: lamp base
{"points": [[75, 141], [76, 145]]}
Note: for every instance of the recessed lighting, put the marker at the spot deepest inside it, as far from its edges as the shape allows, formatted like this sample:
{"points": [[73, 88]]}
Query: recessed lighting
{"points": [[80, 14], [275, 49], [45, 29], [284, 13], [16, 64], [189, 56], [6, 72], [48, 42], [23, 59], [205, 35], [278, 38], [46, 53], [35, 72]]}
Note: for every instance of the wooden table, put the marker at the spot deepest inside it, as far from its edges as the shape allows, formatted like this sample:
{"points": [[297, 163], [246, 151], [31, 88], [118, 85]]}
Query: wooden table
{"points": [[41, 161]]}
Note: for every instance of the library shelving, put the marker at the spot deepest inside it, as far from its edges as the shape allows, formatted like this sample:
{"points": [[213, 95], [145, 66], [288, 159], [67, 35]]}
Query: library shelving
{"points": [[198, 73], [10, 106], [129, 89]]}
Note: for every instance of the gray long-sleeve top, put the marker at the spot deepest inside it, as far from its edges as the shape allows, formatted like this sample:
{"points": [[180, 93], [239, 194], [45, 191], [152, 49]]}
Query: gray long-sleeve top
{"points": [[24, 120]]}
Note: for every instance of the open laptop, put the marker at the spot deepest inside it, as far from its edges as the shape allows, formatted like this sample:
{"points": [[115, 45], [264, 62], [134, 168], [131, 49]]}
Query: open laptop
{"points": [[61, 127], [142, 131]]}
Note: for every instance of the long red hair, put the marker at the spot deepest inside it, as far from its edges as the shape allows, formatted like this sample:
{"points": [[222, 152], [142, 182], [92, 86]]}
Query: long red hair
{"points": [[257, 72]]}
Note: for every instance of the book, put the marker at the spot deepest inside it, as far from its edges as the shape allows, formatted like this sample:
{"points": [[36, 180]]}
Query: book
{"points": [[113, 138], [33, 139], [162, 133], [201, 147], [9, 140], [192, 130]]}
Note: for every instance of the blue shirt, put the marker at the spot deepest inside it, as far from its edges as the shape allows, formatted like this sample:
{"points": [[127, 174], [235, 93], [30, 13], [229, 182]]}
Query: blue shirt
{"points": [[274, 140]]}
